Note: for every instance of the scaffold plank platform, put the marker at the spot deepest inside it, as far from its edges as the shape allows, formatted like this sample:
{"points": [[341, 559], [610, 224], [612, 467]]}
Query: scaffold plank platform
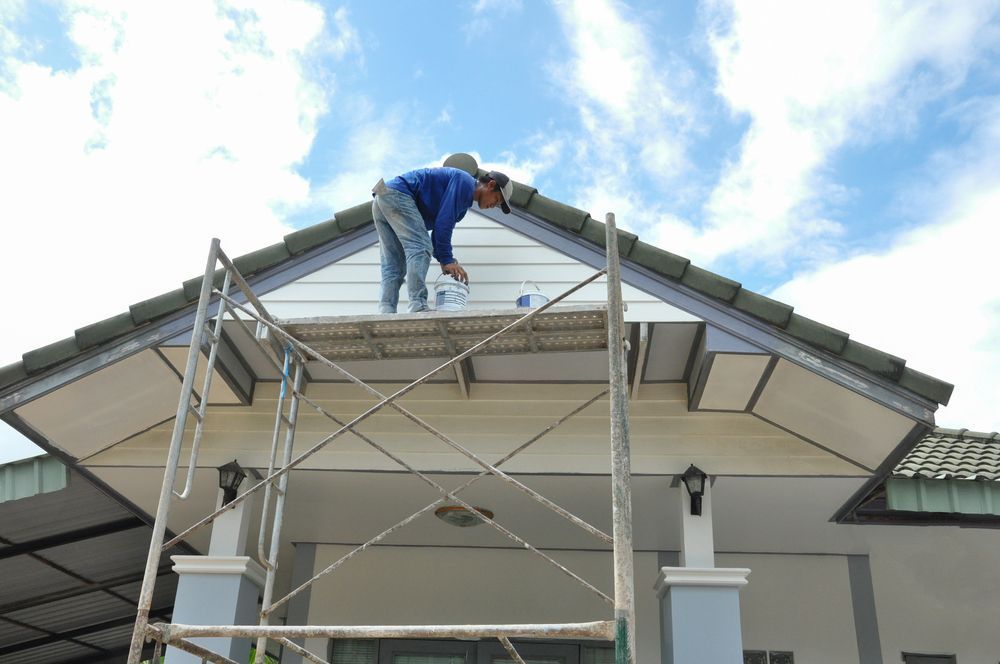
{"points": [[445, 334]]}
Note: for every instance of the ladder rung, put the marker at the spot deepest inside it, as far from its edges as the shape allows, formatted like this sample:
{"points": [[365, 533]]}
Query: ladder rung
{"points": [[209, 334], [197, 413], [284, 418]]}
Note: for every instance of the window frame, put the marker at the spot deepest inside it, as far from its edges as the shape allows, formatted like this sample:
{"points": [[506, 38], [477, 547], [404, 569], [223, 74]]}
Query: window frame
{"points": [[387, 648], [487, 650]]}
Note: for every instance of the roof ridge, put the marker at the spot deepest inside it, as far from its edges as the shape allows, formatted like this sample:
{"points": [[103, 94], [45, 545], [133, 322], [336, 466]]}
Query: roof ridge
{"points": [[579, 222]]}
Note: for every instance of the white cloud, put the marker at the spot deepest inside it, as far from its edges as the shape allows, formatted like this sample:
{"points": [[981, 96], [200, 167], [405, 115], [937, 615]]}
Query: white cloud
{"points": [[182, 122], [625, 91], [635, 105], [811, 78], [932, 297]]}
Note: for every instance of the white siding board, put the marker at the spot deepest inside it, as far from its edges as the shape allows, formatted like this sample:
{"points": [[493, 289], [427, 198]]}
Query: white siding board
{"points": [[498, 260]]}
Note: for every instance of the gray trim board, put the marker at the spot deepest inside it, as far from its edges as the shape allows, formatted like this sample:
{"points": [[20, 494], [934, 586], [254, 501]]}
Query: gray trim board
{"points": [[303, 564], [735, 323], [761, 384], [815, 444], [863, 601]]}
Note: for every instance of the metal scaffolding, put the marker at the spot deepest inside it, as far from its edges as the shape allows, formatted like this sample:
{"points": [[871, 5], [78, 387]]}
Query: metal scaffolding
{"points": [[327, 341]]}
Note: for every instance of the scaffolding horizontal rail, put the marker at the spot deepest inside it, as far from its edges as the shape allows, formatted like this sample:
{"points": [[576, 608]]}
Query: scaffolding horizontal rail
{"points": [[598, 629]]}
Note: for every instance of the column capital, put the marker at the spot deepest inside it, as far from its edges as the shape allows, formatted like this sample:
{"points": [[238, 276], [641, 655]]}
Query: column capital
{"points": [[237, 565], [716, 577]]}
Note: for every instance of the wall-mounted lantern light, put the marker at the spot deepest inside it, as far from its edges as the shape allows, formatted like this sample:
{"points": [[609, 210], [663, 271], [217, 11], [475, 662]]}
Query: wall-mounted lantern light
{"points": [[694, 482], [230, 477]]}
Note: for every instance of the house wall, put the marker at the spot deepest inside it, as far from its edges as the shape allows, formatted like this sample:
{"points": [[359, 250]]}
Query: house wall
{"points": [[428, 585], [796, 603], [937, 590], [497, 259]]}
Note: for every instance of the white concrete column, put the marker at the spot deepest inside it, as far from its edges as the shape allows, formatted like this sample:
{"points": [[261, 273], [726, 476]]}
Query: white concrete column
{"points": [[221, 588], [697, 540]]}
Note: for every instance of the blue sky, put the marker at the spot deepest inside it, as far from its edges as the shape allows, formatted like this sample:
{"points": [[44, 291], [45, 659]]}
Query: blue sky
{"points": [[842, 157]]}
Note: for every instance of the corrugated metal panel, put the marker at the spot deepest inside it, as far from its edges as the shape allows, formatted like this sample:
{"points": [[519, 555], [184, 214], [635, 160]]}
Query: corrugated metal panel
{"points": [[30, 477], [74, 612], [11, 633], [55, 549], [52, 653], [25, 577], [109, 638], [952, 496], [79, 506], [104, 557]]}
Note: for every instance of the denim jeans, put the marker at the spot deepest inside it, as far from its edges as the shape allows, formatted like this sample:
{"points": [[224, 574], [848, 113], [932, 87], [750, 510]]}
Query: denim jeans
{"points": [[405, 247]]}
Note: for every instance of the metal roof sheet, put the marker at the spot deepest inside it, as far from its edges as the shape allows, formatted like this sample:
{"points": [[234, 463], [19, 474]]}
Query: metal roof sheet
{"points": [[71, 563]]}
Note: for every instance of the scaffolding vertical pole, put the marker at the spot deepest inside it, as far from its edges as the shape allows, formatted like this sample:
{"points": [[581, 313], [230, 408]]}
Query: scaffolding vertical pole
{"points": [[271, 568], [621, 482], [173, 456]]}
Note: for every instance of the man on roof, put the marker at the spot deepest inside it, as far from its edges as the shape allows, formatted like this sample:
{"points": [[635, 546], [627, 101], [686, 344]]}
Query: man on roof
{"points": [[428, 199]]}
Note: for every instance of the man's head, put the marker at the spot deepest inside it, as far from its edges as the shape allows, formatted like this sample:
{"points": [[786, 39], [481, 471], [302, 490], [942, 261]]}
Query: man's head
{"points": [[496, 189]]}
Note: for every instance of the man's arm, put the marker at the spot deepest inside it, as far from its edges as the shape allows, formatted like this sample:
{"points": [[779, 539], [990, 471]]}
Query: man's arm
{"points": [[454, 205]]}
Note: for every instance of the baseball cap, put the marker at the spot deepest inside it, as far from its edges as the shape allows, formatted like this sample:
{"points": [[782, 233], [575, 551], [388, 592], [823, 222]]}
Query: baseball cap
{"points": [[506, 188]]}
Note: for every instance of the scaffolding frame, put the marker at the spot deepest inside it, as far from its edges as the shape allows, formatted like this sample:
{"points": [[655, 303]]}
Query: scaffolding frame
{"points": [[290, 358]]}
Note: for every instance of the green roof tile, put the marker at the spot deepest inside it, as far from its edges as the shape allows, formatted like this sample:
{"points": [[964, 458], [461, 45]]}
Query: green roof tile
{"points": [[755, 304], [12, 373], [351, 218], [312, 236], [192, 287], [883, 364], [710, 283], [926, 386], [161, 305], [105, 330], [658, 260], [47, 356], [597, 232], [261, 259], [522, 195], [557, 213], [817, 334]]}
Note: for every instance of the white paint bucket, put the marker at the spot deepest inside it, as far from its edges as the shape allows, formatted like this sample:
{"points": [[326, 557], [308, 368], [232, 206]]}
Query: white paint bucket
{"points": [[531, 297], [450, 294]]}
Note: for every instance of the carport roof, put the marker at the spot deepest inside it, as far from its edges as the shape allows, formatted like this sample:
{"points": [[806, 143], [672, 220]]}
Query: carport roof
{"points": [[71, 560], [528, 202]]}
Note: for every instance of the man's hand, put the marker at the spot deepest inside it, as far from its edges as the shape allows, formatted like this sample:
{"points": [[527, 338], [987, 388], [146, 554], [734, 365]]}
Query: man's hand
{"points": [[457, 271]]}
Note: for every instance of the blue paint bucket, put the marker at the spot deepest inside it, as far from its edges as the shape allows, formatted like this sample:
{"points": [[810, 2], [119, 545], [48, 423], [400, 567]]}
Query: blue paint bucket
{"points": [[531, 297]]}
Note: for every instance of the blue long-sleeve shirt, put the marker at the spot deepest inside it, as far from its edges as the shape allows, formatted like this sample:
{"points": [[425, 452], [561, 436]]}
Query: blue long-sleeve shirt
{"points": [[443, 196]]}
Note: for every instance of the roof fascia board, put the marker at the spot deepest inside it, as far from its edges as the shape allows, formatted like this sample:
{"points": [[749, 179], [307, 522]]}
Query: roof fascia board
{"points": [[734, 322], [178, 323]]}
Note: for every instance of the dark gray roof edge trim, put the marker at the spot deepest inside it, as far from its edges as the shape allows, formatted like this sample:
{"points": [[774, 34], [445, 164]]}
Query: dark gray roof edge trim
{"points": [[579, 223]]}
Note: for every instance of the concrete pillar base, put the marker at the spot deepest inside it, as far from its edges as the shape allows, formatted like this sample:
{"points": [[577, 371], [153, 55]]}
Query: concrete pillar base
{"points": [[701, 614], [216, 590]]}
